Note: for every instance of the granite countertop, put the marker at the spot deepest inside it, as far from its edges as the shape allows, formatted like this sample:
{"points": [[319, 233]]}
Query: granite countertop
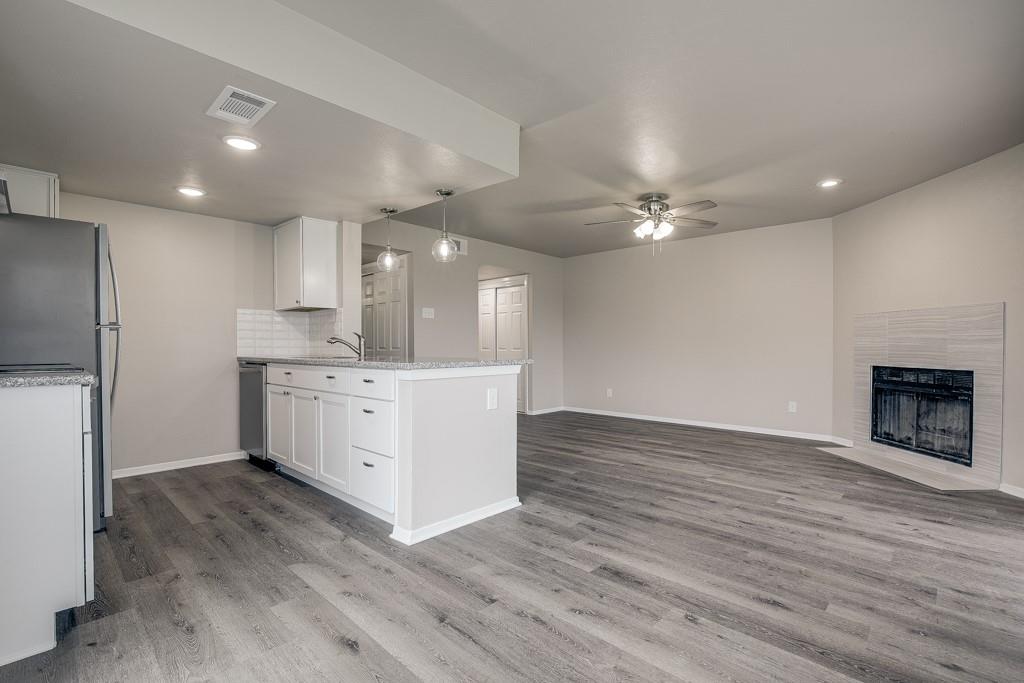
{"points": [[382, 363], [45, 379]]}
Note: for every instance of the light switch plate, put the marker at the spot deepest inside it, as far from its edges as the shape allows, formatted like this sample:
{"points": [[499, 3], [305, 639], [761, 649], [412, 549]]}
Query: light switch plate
{"points": [[492, 398], [792, 406], [428, 313]]}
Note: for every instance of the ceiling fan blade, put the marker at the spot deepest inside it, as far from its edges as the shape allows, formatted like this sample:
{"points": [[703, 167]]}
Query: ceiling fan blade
{"points": [[631, 209], [628, 220], [687, 209], [692, 223]]}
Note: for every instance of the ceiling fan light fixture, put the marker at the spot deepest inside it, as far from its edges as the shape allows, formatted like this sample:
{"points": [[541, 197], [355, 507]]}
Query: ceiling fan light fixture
{"points": [[663, 230], [646, 228]]}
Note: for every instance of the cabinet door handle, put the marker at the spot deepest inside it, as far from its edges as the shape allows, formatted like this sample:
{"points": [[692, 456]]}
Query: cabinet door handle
{"points": [[286, 393], [368, 381], [367, 464], [316, 398], [297, 301], [330, 376], [368, 411]]}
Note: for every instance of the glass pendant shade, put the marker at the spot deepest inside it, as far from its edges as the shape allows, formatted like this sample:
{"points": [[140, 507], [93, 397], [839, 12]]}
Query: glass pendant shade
{"points": [[388, 260], [645, 228], [445, 250]]}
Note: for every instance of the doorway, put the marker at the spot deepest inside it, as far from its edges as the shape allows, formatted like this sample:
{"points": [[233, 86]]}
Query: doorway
{"points": [[386, 306], [503, 324]]}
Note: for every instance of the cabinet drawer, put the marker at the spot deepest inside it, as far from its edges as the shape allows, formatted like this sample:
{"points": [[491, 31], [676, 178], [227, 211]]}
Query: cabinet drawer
{"points": [[373, 479], [313, 378], [373, 384], [372, 425]]}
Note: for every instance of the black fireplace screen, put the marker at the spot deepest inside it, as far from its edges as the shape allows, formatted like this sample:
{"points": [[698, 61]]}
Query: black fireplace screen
{"points": [[924, 410]]}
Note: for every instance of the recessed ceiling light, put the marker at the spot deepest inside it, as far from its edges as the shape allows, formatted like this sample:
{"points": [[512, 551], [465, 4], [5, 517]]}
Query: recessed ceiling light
{"points": [[244, 144], [191, 191], [829, 182]]}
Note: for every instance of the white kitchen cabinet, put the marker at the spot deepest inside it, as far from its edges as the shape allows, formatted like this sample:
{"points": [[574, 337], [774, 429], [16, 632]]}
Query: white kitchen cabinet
{"points": [[373, 479], [279, 423], [45, 513], [333, 431], [373, 425], [306, 264], [304, 436], [32, 192]]}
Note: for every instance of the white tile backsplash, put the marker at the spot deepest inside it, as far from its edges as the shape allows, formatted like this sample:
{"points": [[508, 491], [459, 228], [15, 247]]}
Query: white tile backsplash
{"points": [[285, 333]]}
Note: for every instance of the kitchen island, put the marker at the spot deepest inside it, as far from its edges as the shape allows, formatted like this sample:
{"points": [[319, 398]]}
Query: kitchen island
{"points": [[427, 445]]}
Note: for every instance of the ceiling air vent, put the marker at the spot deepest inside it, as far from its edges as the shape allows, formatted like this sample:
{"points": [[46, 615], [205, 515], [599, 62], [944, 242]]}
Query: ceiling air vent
{"points": [[238, 106]]}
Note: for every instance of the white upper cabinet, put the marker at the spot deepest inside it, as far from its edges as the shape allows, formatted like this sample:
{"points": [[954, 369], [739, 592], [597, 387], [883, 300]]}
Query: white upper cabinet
{"points": [[306, 264], [33, 192]]}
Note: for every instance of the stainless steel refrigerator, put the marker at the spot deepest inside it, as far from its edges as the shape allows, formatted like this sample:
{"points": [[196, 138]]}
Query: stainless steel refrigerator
{"points": [[59, 304]]}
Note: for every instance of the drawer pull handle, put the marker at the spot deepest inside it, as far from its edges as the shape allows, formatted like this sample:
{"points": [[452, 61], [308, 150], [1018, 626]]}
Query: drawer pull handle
{"points": [[368, 381], [330, 376], [367, 464], [287, 373], [368, 411]]}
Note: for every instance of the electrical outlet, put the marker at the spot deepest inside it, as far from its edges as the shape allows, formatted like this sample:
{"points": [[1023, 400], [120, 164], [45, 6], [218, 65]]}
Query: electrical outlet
{"points": [[792, 407], [428, 313], [492, 398], [608, 392]]}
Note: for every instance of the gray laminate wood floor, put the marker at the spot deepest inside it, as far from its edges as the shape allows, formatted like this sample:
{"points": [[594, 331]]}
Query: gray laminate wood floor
{"points": [[642, 552]]}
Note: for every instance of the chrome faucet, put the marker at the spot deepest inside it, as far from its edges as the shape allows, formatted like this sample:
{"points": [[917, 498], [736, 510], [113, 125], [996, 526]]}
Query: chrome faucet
{"points": [[360, 349]]}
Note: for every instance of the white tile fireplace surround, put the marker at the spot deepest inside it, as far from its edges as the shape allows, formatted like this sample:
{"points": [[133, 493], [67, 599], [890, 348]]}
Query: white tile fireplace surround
{"points": [[956, 338]]}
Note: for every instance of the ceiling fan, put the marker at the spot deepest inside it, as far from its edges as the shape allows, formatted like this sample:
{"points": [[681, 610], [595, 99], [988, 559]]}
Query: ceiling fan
{"points": [[658, 221]]}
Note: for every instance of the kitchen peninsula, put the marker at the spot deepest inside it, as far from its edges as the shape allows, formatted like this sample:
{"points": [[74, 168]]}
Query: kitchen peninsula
{"points": [[428, 445]]}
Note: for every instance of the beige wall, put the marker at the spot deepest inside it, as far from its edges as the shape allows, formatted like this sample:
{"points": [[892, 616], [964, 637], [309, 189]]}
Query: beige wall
{"points": [[451, 290], [182, 277], [957, 239], [725, 328]]}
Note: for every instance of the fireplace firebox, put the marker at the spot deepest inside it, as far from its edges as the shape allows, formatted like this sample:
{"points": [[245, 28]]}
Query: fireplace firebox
{"points": [[924, 410]]}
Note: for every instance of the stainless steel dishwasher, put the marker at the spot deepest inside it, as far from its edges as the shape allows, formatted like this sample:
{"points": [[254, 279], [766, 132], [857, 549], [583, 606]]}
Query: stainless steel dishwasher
{"points": [[252, 412]]}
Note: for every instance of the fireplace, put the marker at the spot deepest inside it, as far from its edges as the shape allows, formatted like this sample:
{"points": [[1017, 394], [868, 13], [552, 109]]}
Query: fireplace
{"points": [[924, 410]]}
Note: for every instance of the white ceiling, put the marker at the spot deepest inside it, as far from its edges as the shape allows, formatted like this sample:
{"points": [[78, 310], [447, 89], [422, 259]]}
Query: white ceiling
{"points": [[120, 113], [744, 102]]}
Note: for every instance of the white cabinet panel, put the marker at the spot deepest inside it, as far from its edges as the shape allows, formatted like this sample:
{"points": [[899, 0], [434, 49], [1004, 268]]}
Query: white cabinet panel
{"points": [[306, 264], [279, 423], [373, 425], [288, 265], [373, 479], [333, 463], [304, 431]]}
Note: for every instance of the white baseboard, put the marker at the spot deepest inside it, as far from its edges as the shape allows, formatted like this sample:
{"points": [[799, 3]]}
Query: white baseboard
{"points": [[545, 411], [411, 536], [177, 464], [715, 425], [1012, 490]]}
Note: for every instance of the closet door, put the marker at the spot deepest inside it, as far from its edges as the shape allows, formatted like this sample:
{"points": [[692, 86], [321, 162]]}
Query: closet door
{"points": [[512, 331], [486, 331]]}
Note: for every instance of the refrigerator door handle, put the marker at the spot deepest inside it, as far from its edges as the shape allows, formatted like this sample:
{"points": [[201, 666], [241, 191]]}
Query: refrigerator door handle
{"points": [[116, 326]]}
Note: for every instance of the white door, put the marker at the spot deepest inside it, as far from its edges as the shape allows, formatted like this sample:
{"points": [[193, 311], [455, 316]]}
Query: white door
{"points": [[304, 431], [279, 423], [486, 327], [511, 331], [333, 463], [288, 265]]}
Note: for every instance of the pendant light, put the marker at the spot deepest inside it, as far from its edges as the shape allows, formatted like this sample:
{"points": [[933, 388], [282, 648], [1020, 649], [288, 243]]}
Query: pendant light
{"points": [[445, 250], [388, 260]]}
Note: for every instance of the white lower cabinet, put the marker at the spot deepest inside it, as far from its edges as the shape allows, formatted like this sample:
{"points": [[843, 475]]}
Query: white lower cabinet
{"points": [[279, 423], [304, 428], [333, 463], [373, 479], [342, 440]]}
